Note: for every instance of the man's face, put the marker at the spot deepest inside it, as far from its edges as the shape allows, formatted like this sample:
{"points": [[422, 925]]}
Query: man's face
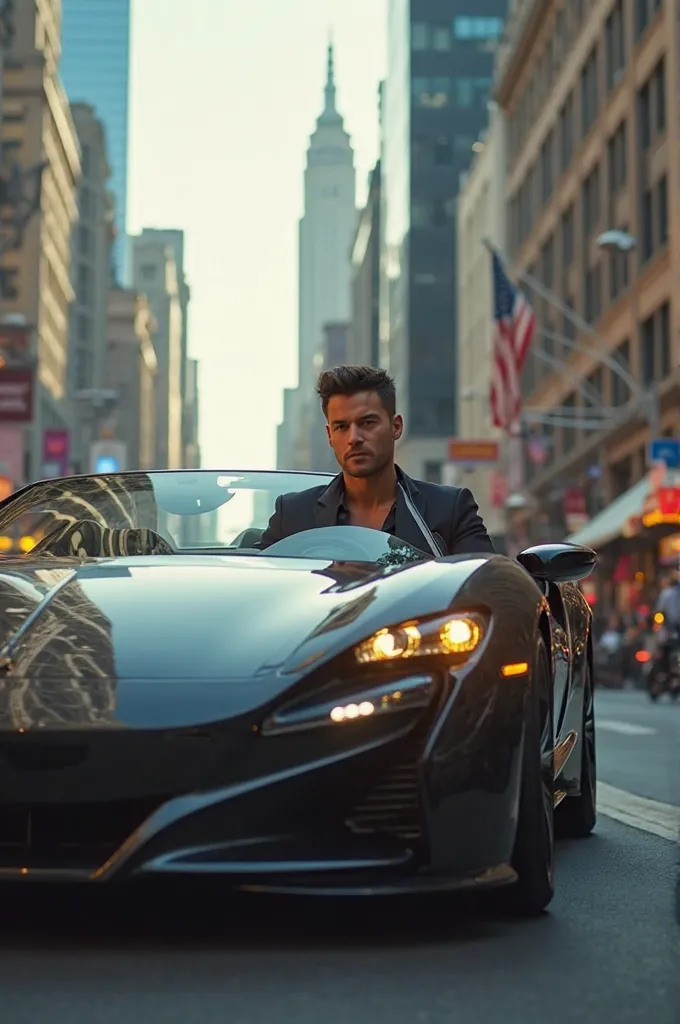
{"points": [[362, 433]]}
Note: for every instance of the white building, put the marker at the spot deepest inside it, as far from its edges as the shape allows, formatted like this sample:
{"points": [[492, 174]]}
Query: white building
{"points": [[326, 232], [481, 215]]}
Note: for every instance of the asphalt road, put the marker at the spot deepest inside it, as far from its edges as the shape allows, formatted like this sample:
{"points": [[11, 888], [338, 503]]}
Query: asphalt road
{"points": [[638, 744], [609, 948]]}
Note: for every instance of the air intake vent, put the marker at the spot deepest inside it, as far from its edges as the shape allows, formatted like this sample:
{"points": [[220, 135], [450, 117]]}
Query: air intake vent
{"points": [[393, 807], [68, 835]]}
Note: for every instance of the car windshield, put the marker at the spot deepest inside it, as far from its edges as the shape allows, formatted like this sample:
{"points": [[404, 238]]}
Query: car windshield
{"points": [[189, 509]]}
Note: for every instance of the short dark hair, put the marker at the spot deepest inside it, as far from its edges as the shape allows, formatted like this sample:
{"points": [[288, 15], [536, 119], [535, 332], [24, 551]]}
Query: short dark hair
{"points": [[350, 380]]}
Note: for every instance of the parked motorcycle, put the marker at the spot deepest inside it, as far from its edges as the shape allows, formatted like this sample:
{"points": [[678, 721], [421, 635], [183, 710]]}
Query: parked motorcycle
{"points": [[660, 657]]}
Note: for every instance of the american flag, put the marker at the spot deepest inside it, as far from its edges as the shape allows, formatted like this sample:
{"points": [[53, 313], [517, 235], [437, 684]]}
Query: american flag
{"points": [[514, 323]]}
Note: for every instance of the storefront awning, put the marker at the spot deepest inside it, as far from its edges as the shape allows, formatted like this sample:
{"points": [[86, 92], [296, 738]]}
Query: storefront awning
{"points": [[609, 524]]}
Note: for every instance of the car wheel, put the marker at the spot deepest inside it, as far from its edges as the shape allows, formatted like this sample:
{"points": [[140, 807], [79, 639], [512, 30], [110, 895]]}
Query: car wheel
{"points": [[533, 853], [576, 816]]}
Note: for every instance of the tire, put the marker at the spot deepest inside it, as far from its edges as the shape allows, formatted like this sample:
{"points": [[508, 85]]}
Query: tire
{"points": [[533, 854], [576, 816]]}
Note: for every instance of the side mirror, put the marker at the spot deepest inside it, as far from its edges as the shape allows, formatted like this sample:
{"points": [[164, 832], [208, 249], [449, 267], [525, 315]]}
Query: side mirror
{"points": [[558, 563]]}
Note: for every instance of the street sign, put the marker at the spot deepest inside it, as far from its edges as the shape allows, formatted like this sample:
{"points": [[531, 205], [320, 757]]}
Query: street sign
{"points": [[108, 457], [665, 449], [473, 452]]}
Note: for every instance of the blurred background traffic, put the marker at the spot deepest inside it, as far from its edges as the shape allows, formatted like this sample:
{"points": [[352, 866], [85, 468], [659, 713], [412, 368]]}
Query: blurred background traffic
{"points": [[503, 234]]}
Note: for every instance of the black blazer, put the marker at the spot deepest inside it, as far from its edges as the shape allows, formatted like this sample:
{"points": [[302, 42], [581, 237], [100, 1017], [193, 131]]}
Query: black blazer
{"points": [[450, 512]]}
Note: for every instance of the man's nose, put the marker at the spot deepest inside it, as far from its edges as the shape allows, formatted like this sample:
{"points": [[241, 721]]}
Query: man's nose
{"points": [[355, 436]]}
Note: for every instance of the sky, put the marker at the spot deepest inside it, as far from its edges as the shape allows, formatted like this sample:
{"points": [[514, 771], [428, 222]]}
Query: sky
{"points": [[223, 98]]}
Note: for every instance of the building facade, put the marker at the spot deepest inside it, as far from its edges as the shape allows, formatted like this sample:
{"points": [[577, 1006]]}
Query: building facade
{"points": [[174, 239], [155, 275], [334, 353], [326, 231], [91, 243], [39, 140], [435, 104], [592, 99], [131, 372], [363, 347], [481, 216], [95, 69]]}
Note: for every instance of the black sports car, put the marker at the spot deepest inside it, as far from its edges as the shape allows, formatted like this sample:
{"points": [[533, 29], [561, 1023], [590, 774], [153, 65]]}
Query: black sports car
{"points": [[341, 713]]}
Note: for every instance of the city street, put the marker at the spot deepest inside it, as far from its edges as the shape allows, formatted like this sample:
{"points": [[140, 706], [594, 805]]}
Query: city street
{"points": [[609, 947]]}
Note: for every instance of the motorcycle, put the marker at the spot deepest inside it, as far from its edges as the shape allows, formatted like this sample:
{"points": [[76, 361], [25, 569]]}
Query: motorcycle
{"points": [[660, 658]]}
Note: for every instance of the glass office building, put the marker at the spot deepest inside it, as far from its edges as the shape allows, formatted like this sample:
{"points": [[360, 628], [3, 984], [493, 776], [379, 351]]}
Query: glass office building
{"points": [[440, 68], [95, 69]]}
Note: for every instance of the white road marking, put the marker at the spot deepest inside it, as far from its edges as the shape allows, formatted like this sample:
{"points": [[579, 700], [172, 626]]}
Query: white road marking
{"points": [[647, 815], [625, 728]]}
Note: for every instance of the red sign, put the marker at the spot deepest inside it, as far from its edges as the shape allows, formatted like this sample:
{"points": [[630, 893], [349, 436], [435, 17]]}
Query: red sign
{"points": [[668, 499], [575, 501], [499, 489], [56, 451], [473, 451], [14, 338], [16, 396]]}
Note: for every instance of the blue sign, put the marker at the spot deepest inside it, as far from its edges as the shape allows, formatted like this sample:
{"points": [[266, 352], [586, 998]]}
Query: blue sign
{"points": [[106, 464], [666, 449]]}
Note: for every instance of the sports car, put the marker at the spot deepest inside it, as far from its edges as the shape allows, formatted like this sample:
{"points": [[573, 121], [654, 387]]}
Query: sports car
{"points": [[340, 713]]}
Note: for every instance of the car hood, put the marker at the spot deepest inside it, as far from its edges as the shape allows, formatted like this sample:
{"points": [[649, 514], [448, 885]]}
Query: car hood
{"points": [[255, 623]]}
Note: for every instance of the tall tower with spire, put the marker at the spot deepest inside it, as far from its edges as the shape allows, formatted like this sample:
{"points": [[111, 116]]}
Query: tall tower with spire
{"points": [[326, 231]]}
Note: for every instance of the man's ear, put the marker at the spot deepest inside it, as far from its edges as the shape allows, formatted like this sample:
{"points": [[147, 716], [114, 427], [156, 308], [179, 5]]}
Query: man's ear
{"points": [[397, 427]]}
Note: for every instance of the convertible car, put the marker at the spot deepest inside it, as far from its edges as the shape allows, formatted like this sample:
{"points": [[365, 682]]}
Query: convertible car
{"points": [[339, 713]]}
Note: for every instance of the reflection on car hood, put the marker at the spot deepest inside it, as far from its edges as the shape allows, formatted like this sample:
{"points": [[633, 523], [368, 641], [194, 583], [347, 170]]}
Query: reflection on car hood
{"points": [[198, 617]]}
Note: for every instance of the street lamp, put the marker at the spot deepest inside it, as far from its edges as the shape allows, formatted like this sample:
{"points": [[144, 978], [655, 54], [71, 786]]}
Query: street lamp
{"points": [[616, 241]]}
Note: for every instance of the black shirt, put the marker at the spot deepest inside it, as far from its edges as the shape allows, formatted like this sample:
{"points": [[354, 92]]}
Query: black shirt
{"points": [[389, 526]]}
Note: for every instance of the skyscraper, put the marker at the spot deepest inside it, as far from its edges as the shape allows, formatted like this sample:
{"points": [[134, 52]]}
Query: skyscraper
{"points": [[326, 232], [440, 70], [95, 69]]}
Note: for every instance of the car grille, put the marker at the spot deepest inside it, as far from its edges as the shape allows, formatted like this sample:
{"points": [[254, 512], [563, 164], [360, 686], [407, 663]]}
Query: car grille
{"points": [[68, 835], [393, 807]]}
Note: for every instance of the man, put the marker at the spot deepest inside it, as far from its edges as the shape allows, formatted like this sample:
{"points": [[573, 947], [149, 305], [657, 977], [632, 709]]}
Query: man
{"points": [[359, 403]]}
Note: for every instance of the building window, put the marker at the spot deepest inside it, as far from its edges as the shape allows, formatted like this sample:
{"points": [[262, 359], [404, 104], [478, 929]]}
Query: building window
{"points": [[477, 28], [148, 272], [443, 151], [652, 106], [620, 390], [472, 92], [83, 289], [441, 38], [566, 133], [656, 346], [420, 36], [616, 159], [592, 293], [83, 368], [662, 210], [568, 238], [589, 92], [84, 240], [615, 44], [547, 179], [86, 160], [594, 392], [83, 329], [618, 272], [431, 92], [11, 151], [655, 218], [432, 472], [591, 203], [9, 283], [645, 10]]}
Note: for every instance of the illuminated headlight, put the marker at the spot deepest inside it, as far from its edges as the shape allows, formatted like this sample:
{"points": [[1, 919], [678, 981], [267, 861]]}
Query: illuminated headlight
{"points": [[412, 693], [459, 634]]}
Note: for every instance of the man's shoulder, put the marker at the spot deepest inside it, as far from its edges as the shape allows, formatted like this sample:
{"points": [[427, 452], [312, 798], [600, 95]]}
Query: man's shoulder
{"points": [[443, 492], [303, 498]]}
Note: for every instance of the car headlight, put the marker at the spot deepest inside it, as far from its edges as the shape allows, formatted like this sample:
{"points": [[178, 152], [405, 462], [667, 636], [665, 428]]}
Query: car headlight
{"points": [[458, 635], [397, 697]]}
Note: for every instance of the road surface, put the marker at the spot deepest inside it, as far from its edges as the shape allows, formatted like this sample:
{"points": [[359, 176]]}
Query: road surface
{"points": [[608, 950]]}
